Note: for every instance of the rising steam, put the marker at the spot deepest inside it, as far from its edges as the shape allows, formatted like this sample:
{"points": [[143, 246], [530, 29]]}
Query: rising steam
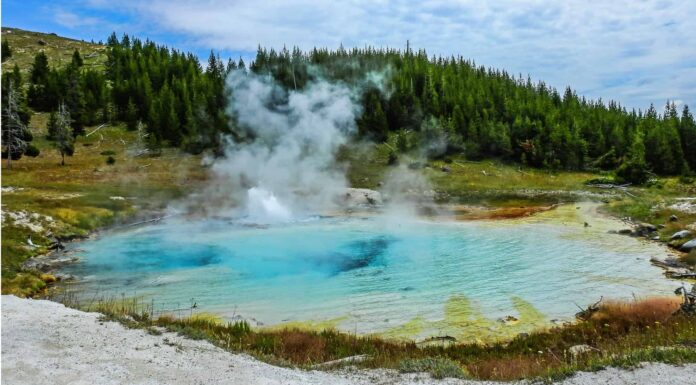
{"points": [[284, 168]]}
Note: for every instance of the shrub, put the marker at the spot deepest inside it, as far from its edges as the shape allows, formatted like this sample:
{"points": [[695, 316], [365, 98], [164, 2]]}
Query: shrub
{"points": [[393, 159], [107, 152], [110, 161], [31, 151], [437, 367], [690, 259]]}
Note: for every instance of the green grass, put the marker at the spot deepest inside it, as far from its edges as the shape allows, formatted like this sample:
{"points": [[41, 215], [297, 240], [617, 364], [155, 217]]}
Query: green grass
{"points": [[489, 182], [651, 204], [25, 45], [438, 367], [84, 195]]}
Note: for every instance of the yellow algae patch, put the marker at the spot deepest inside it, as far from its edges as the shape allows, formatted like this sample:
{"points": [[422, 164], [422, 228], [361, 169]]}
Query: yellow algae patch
{"points": [[211, 318], [407, 331], [308, 325], [528, 313], [465, 321]]}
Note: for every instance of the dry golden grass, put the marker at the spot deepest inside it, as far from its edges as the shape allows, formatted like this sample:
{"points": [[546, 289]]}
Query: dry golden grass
{"points": [[642, 313]]}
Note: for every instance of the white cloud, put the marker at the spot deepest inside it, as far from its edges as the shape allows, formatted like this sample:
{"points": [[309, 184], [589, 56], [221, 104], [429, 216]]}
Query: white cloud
{"points": [[72, 20], [634, 52]]}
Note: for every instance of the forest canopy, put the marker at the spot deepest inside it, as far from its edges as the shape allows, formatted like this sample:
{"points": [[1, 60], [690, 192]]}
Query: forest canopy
{"points": [[475, 111]]}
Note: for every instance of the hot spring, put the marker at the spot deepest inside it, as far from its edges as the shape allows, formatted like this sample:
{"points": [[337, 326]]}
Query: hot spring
{"points": [[367, 274]]}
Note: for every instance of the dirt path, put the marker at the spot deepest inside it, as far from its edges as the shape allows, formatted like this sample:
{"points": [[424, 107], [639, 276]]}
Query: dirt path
{"points": [[45, 342]]}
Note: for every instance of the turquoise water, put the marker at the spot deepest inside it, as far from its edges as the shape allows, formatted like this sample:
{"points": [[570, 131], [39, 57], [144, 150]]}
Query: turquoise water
{"points": [[367, 275]]}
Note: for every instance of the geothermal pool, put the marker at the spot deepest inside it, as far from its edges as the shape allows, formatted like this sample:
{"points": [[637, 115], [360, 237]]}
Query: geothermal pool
{"points": [[397, 278]]}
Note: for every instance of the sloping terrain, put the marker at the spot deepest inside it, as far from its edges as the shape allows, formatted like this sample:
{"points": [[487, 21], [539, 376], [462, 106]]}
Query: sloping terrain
{"points": [[26, 44]]}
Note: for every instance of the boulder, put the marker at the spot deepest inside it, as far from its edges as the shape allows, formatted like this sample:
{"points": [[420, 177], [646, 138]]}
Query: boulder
{"points": [[688, 246], [646, 228], [508, 320], [680, 234], [356, 197], [673, 218], [578, 350]]}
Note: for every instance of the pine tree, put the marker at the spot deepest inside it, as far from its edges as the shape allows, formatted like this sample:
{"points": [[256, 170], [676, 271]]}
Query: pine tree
{"points": [[6, 51], [39, 69], [634, 169], [63, 138], [39, 94], [373, 122], [52, 126], [687, 133], [131, 115], [77, 59], [15, 135]]}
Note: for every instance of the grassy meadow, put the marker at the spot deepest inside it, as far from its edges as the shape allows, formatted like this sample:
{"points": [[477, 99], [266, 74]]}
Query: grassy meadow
{"points": [[86, 194], [59, 50]]}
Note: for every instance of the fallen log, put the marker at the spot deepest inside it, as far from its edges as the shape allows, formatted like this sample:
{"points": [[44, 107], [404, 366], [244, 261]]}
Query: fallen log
{"points": [[342, 361], [97, 129], [437, 338], [683, 275], [586, 314]]}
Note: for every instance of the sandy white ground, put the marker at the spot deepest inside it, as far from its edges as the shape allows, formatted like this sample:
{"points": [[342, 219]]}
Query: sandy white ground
{"points": [[44, 342]]}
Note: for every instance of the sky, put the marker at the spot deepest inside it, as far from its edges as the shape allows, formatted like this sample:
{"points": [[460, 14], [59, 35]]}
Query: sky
{"points": [[634, 52]]}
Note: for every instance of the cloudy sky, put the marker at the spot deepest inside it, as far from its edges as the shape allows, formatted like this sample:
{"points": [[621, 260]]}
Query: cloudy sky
{"points": [[635, 52]]}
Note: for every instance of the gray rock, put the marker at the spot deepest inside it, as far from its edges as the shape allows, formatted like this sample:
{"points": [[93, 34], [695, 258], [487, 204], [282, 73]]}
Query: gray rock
{"points": [[688, 246], [64, 277], [673, 218], [646, 227], [680, 234], [357, 197], [48, 263], [578, 350]]}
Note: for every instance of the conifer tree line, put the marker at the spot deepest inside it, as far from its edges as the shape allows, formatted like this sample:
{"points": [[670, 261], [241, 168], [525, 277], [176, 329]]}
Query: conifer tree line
{"points": [[463, 108]]}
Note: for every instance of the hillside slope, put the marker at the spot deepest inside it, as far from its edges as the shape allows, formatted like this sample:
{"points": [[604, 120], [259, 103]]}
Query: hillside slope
{"points": [[26, 44]]}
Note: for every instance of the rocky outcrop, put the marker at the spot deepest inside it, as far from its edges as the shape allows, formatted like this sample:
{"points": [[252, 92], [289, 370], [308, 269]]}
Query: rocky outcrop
{"points": [[361, 197], [688, 246], [680, 234], [49, 262], [646, 230]]}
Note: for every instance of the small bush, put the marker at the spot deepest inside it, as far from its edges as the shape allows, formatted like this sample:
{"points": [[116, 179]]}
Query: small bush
{"points": [[110, 161], [32, 151], [690, 259], [600, 181], [437, 367], [393, 159], [107, 152]]}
